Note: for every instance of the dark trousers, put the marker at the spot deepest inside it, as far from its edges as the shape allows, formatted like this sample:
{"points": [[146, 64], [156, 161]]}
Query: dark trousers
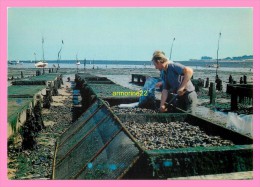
{"points": [[187, 102]]}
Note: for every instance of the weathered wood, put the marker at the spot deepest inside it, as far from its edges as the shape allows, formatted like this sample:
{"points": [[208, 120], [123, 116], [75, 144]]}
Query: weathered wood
{"points": [[212, 93]]}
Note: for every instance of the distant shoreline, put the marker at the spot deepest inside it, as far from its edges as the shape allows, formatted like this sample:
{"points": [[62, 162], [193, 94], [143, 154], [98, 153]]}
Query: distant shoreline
{"points": [[221, 61], [138, 61]]}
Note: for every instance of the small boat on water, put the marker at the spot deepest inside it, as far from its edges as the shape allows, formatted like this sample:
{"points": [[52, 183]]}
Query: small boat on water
{"points": [[19, 63], [15, 62], [212, 65], [43, 63], [11, 62], [77, 61]]}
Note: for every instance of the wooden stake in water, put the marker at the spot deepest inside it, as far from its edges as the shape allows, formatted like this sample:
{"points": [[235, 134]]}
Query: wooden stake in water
{"points": [[217, 54], [59, 53], [212, 93], [171, 48]]}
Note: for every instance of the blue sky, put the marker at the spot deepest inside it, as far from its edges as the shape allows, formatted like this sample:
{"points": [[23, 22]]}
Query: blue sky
{"points": [[128, 33]]}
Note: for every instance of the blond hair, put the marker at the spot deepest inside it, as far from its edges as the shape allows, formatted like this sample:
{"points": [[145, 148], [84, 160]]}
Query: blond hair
{"points": [[159, 56]]}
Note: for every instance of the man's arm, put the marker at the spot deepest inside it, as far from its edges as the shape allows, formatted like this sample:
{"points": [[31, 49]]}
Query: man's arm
{"points": [[188, 72], [159, 84], [163, 100]]}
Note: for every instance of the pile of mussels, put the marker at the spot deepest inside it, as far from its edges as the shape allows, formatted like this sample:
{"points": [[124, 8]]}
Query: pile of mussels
{"points": [[172, 135], [119, 110]]}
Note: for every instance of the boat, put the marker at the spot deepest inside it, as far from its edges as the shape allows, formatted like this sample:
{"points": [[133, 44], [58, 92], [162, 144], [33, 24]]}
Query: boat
{"points": [[15, 62], [77, 61], [19, 63], [212, 65], [12, 62], [43, 63]]}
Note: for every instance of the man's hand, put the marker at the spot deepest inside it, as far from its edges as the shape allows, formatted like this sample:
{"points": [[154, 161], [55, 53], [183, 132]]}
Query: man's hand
{"points": [[158, 84], [181, 92], [163, 108]]}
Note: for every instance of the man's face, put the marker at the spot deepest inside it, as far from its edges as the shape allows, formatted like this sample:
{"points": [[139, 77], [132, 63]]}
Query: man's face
{"points": [[157, 65]]}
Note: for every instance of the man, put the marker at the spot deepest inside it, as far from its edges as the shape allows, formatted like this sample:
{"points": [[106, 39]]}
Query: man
{"points": [[176, 80]]}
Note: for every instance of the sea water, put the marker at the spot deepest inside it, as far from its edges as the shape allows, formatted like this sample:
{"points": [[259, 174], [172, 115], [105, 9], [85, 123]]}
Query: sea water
{"points": [[103, 64]]}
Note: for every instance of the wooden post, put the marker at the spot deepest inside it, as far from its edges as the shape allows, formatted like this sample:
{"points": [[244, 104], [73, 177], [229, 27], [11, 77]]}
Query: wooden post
{"points": [[245, 79], [234, 99], [241, 81], [47, 99], [230, 79], [207, 83], [218, 84], [38, 73], [22, 75], [212, 93]]}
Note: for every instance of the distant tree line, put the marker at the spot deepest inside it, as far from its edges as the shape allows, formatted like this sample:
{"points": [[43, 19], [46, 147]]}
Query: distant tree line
{"points": [[206, 58], [245, 57]]}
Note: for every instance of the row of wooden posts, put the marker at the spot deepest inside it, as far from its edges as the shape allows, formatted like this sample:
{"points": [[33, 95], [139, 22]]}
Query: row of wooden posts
{"points": [[242, 91], [219, 87], [38, 72]]}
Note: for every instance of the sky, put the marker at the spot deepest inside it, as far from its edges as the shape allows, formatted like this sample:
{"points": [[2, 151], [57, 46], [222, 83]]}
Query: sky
{"points": [[128, 33]]}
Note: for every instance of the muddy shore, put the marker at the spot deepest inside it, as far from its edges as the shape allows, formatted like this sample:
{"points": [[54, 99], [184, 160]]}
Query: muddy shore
{"points": [[37, 163]]}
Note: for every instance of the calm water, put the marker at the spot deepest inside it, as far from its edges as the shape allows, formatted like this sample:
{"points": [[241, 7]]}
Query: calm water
{"points": [[89, 64]]}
